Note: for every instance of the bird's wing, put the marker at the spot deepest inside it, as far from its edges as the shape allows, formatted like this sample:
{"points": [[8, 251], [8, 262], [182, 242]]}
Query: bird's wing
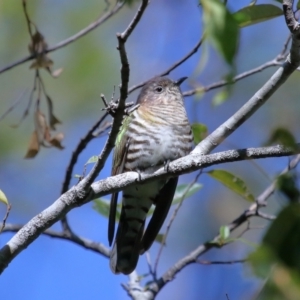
{"points": [[163, 202], [119, 157]]}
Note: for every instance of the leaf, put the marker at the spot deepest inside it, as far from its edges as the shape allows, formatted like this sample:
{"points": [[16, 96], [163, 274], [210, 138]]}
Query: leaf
{"points": [[286, 245], [284, 137], [256, 13], [234, 183], [102, 207], [34, 146], [37, 47], [92, 160], [56, 141], [220, 97], [159, 238], [3, 198], [185, 190], [224, 232], [52, 119], [286, 184], [221, 29], [199, 132]]}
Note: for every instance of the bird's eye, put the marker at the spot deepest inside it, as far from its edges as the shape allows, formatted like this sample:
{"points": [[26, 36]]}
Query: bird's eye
{"points": [[158, 89]]}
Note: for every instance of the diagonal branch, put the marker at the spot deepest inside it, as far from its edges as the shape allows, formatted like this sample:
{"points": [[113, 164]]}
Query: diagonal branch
{"points": [[173, 67], [193, 256], [119, 112], [76, 196], [80, 241], [71, 39]]}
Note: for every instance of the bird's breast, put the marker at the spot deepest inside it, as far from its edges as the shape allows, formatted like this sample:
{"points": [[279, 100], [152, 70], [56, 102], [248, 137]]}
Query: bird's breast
{"points": [[152, 144]]}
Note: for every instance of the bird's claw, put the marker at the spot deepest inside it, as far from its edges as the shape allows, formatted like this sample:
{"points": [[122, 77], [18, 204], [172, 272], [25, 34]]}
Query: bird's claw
{"points": [[166, 165], [139, 176]]}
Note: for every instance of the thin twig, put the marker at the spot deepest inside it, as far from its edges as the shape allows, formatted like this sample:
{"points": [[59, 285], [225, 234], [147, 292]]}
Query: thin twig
{"points": [[68, 176], [80, 241], [120, 110], [163, 242], [71, 39], [244, 217], [77, 196], [217, 262], [272, 63], [8, 208], [174, 66]]}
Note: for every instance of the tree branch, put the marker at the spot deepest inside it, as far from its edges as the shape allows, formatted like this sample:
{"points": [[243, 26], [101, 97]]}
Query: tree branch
{"points": [[173, 67], [155, 287], [68, 175], [119, 112], [85, 243], [76, 196]]}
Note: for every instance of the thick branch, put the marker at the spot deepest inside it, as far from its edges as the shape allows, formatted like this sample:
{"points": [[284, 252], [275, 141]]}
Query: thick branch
{"points": [[76, 196]]}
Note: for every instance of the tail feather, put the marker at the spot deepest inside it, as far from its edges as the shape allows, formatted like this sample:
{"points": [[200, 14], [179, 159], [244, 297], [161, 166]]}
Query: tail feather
{"points": [[126, 248], [125, 252]]}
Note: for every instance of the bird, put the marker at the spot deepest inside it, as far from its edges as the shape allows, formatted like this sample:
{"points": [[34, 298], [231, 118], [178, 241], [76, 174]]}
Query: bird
{"points": [[151, 136]]}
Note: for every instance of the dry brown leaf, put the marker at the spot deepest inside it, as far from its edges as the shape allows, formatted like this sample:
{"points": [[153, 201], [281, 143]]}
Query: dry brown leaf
{"points": [[37, 47], [34, 146], [41, 128], [56, 141]]}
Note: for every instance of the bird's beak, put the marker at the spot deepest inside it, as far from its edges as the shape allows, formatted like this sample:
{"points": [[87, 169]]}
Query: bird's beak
{"points": [[180, 81]]}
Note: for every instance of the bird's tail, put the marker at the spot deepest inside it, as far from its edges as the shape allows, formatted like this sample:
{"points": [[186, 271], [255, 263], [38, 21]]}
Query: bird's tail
{"points": [[127, 245]]}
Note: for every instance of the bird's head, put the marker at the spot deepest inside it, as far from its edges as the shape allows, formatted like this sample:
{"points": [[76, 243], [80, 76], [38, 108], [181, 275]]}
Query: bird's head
{"points": [[161, 90]]}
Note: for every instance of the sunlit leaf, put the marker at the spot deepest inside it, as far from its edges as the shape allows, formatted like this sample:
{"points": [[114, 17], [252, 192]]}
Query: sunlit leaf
{"points": [[92, 160], [185, 190], [253, 14], [199, 132], [221, 29], [224, 232], [3, 198], [234, 183], [220, 97]]}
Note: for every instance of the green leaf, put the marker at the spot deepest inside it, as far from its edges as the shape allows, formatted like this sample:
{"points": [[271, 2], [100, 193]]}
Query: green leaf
{"points": [[3, 198], [286, 184], [256, 13], [159, 238], [221, 29], [185, 190], [224, 232], [199, 132], [234, 183], [283, 236], [284, 137], [102, 207], [92, 160], [220, 97]]}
